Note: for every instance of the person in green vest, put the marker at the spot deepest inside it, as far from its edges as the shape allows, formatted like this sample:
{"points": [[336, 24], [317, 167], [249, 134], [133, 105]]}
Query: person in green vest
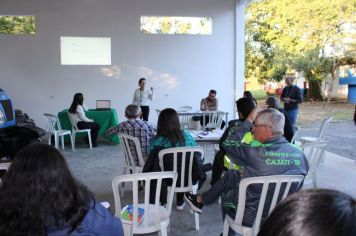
{"points": [[244, 106]]}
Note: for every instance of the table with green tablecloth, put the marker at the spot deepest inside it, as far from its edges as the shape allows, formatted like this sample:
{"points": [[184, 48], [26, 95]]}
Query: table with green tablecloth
{"points": [[105, 118]]}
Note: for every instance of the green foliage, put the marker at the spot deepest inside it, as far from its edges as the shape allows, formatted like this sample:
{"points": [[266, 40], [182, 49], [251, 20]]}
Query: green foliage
{"points": [[17, 24], [175, 25], [259, 94], [306, 35]]}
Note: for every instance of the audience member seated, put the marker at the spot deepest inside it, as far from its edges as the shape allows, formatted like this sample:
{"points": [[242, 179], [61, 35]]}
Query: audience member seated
{"points": [[77, 112], [210, 103], [170, 135], [260, 157], [134, 126], [248, 94], [39, 196], [244, 107], [313, 212], [273, 102]]}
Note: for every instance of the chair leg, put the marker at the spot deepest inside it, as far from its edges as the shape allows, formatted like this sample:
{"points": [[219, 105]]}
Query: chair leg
{"points": [[89, 138], [56, 141], [314, 181], [73, 139], [163, 231], [196, 215], [62, 140], [226, 228], [49, 140], [71, 142]]}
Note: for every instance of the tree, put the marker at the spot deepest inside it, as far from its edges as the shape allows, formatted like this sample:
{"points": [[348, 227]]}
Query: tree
{"points": [[289, 34], [17, 24]]}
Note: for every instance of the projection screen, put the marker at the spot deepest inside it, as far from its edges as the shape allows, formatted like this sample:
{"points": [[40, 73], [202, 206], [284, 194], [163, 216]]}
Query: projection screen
{"points": [[85, 51]]}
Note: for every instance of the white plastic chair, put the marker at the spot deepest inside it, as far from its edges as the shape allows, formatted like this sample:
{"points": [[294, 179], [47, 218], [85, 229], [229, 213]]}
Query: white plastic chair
{"points": [[75, 130], [132, 148], [181, 186], [56, 130], [184, 120], [212, 119], [296, 130], [4, 166], [315, 154], [321, 132], [156, 216], [185, 108], [278, 180]]}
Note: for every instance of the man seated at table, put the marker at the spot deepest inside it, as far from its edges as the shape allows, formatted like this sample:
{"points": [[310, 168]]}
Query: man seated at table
{"points": [[244, 107], [134, 126], [210, 103], [268, 154]]}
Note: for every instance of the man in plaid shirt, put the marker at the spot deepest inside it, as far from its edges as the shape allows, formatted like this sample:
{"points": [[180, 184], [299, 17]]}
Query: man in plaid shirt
{"points": [[135, 127]]}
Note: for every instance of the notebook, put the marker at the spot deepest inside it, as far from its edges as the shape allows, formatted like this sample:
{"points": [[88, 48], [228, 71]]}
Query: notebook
{"points": [[102, 105]]}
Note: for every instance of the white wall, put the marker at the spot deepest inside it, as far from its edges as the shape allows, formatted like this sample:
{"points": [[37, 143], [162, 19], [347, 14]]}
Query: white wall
{"points": [[182, 68]]}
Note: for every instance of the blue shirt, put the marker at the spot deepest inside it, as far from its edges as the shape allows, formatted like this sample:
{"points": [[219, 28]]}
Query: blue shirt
{"points": [[98, 221]]}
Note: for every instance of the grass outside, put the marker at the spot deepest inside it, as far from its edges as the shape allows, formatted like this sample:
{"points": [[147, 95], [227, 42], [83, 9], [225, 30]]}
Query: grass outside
{"points": [[315, 111], [259, 94], [311, 111]]}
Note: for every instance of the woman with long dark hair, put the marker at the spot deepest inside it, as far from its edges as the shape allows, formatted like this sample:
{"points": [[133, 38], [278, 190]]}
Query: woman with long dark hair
{"points": [[77, 113], [169, 134], [39, 196]]}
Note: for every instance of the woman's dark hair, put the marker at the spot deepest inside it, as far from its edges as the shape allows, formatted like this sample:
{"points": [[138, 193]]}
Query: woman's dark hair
{"points": [[39, 191], [313, 213], [140, 80], [77, 100], [168, 126]]}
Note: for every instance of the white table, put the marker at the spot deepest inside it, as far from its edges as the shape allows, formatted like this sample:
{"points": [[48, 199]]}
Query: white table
{"points": [[206, 137]]}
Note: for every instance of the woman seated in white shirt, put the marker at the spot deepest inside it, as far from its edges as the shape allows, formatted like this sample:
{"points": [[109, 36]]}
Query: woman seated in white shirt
{"points": [[77, 113]]}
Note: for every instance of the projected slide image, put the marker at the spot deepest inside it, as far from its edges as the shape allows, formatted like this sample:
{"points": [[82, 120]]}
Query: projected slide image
{"points": [[85, 51]]}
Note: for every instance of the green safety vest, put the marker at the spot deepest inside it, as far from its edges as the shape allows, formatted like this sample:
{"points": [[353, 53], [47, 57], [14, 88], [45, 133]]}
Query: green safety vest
{"points": [[248, 138]]}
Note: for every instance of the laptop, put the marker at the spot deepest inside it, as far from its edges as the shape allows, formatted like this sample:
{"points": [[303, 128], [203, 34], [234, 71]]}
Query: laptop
{"points": [[103, 105]]}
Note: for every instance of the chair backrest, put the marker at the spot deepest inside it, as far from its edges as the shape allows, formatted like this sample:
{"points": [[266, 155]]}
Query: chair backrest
{"points": [[267, 181], [324, 125], [72, 120], [213, 119], [4, 166], [144, 199], [132, 150], [53, 122], [182, 164], [185, 108], [315, 153], [296, 130]]}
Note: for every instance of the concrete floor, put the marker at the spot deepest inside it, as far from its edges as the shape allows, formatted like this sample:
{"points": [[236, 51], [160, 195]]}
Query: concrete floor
{"points": [[96, 168]]}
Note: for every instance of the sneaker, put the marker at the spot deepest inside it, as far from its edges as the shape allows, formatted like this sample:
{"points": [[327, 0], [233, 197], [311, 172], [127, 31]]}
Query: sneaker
{"points": [[180, 207], [193, 203]]}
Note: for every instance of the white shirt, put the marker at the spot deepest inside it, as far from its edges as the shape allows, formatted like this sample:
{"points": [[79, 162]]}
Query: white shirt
{"points": [[142, 98], [79, 115]]}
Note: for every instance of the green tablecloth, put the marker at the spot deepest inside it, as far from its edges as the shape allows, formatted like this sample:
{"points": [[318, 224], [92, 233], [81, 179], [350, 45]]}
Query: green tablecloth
{"points": [[105, 119]]}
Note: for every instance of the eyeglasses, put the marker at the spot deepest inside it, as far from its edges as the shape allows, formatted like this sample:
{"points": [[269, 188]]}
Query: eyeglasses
{"points": [[256, 125]]}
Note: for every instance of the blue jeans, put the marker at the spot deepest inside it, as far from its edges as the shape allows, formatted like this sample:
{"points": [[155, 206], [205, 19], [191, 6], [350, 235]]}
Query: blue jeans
{"points": [[292, 115]]}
